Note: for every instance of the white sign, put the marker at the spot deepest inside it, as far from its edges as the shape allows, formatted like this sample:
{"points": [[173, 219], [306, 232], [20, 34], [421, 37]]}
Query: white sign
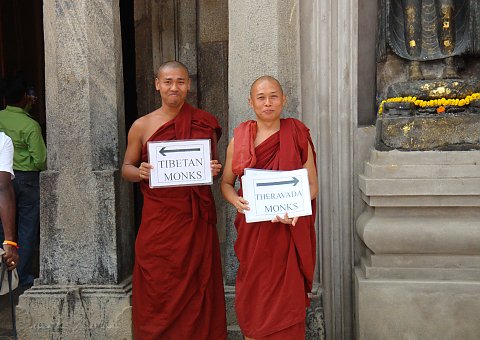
{"points": [[270, 193], [179, 162]]}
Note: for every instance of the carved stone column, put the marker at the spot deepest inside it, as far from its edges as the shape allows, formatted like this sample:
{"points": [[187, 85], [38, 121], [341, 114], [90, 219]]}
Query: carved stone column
{"points": [[420, 278], [86, 247]]}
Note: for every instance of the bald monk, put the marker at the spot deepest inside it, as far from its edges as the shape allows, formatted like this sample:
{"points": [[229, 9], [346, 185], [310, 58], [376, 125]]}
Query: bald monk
{"points": [[177, 278], [277, 258]]}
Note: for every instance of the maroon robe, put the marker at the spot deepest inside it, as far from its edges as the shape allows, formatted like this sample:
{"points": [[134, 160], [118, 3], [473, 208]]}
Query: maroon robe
{"points": [[177, 279], [277, 261]]}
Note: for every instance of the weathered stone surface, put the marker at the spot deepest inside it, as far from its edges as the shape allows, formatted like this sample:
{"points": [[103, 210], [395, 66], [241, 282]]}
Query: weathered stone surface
{"points": [[416, 309], [75, 312], [445, 132], [86, 226], [315, 319]]}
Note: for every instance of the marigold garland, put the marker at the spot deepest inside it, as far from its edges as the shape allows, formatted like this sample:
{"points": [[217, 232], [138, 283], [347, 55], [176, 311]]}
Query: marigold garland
{"points": [[431, 103]]}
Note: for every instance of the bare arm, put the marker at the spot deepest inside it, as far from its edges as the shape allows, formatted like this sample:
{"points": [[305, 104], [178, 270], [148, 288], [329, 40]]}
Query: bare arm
{"points": [[132, 169], [7, 215], [228, 182]]}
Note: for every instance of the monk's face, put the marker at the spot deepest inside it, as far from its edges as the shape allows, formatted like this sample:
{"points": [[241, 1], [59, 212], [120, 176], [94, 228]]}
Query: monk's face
{"points": [[267, 100], [173, 84]]}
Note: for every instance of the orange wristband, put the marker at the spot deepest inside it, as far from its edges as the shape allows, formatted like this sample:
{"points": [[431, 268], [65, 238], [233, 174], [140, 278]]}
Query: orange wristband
{"points": [[11, 243]]}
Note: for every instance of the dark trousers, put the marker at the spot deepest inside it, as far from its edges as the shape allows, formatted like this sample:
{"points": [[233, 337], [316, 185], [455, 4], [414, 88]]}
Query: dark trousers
{"points": [[27, 195]]}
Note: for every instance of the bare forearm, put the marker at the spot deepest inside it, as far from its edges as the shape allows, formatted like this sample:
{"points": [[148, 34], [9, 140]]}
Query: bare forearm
{"points": [[131, 173], [7, 211], [313, 191], [229, 193]]}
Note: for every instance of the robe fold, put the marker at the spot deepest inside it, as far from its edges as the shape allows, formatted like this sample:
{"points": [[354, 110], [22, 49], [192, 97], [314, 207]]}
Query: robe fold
{"points": [[277, 261], [177, 279]]}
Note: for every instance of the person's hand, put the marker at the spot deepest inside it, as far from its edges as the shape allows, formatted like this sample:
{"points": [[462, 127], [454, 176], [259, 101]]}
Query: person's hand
{"points": [[144, 170], [241, 205], [285, 219], [11, 256], [216, 167]]}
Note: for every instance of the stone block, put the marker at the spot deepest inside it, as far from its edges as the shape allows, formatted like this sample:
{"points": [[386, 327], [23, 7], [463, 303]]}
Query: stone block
{"points": [[416, 309], [76, 312], [436, 132], [424, 157]]}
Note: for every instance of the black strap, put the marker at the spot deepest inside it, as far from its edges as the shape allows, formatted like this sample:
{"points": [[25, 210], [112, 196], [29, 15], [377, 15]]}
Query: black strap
{"points": [[10, 292]]}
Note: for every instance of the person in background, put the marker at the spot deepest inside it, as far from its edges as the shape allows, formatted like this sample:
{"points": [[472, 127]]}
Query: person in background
{"points": [[29, 159]]}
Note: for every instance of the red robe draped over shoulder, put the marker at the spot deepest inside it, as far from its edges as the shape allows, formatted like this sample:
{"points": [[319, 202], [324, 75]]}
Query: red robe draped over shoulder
{"points": [[177, 279], [277, 261]]}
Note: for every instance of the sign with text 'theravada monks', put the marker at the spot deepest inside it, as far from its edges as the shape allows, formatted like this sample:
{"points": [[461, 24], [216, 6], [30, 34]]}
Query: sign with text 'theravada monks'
{"points": [[179, 162], [270, 193]]}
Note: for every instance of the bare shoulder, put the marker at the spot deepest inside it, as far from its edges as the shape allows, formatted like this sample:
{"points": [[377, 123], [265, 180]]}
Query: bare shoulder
{"points": [[142, 127]]}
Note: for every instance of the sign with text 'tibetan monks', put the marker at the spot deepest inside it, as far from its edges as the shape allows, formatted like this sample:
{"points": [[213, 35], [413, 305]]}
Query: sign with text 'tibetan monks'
{"points": [[270, 193], [180, 162]]}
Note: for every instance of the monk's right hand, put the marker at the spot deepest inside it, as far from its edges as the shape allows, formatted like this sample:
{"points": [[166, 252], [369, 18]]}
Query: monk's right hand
{"points": [[144, 171], [241, 204]]}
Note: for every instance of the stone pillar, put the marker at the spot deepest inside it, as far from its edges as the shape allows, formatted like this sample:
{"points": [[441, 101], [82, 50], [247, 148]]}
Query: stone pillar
{"points": [[421, 276], [86, 247], [329, 71]]}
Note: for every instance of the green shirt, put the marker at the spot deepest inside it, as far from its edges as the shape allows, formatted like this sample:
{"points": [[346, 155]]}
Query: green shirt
{"points": [[30, 153]]}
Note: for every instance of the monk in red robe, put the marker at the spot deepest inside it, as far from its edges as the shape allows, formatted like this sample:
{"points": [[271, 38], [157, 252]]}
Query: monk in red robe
{"points": [[277, 258], [177, 279]]}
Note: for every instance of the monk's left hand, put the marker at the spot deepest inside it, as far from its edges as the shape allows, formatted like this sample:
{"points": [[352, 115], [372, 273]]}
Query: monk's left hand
{"points": [[285, 220], [216, 167]]}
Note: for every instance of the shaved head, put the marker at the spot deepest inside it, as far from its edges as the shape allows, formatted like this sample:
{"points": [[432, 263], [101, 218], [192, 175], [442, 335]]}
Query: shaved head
{"points": [[265, 78], [172, 64]]}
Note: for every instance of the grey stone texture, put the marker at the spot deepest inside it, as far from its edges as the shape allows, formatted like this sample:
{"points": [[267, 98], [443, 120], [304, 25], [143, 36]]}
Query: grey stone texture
{"points": [[263, 40], [330, 71], [436, 132], [420, 274], [416, 309], [76, 312], [212, 52], [86, 228]]}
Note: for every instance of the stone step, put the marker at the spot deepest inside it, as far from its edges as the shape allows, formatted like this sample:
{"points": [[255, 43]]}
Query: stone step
{"points": [[234, 333], [230, 305], [424, 261], [423, 201], [415, 187], [421, 170], [425, 157], [402, 273]]}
